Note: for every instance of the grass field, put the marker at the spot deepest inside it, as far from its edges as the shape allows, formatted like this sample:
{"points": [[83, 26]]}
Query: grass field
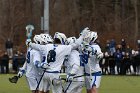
{"points": [[109, 84]]}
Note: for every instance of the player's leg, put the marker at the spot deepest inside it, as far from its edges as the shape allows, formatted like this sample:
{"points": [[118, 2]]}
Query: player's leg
{"points": [[35, 91], [76, 87], [32, 82], [48, 91], [88, 84], [95, 84], [56, 86], [94, 90], [44, 86]]}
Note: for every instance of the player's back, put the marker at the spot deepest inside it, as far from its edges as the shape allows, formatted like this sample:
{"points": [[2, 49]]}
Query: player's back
{"points": [[74, 59], [32, 55], [61, 51], [93, 61]]}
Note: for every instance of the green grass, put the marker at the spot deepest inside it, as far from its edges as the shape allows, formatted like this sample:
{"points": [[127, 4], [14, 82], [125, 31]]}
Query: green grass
{"points": [[120, 84], [109, 84]]}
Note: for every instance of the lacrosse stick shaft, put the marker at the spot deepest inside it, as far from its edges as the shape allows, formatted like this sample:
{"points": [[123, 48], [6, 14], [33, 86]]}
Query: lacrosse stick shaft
{"points": [[29, 31], [40, 81], [90, 74], [67, 87]]}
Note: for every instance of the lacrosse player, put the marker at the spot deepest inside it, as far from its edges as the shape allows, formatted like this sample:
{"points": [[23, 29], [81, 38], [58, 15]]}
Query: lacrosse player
{"points": [[32, 73], [44, 86], [74, 69], [55, 55], [91, 57]]}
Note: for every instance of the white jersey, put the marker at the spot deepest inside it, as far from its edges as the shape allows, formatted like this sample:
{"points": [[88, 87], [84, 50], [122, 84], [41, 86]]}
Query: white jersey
{"points": [[92, 65], [60, 50], [74, 59], [31, 70]]}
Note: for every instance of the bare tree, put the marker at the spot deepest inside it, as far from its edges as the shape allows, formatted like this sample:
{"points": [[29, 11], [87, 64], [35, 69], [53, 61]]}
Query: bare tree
{"points": [[136, 19]]}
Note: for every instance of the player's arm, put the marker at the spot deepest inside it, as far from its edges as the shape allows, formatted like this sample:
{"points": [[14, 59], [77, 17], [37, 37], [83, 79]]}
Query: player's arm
{"points": [[74, 69], [38, 62], [24, 65], [96, 50], [77, 43], [99, 53], [74, 61], [80, 39], [22, 70], [36, 59], [37, 46]]}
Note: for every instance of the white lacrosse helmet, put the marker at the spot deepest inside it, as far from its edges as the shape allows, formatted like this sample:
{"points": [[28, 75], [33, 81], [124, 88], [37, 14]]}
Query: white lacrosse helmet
{"points": [[37, 39], [70, 40], [85, 29], [90, 37], [61, 37], [46, 38]]}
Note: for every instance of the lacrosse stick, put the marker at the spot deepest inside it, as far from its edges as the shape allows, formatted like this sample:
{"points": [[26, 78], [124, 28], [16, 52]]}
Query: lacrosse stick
{"points": [[62, 80], [29, 30], [14, 79], [59, 81], [90, 74], [40, 80]]}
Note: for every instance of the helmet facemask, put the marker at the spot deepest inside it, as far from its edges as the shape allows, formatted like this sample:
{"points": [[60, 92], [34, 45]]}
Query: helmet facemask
{"points": [[61, 37], [70, 40]]}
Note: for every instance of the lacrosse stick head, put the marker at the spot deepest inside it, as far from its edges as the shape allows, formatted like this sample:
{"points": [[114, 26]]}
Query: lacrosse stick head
{"points": [[13, 79], [29, 30]]}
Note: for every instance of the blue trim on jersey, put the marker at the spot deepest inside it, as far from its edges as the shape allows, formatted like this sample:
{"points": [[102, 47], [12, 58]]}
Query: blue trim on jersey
{"points": [[63, 42], [94, 74], [68, 86], [94, 81], [55, 46], [36, 80], [28, 55], [84, 58], [81, 60], [52, 71]]}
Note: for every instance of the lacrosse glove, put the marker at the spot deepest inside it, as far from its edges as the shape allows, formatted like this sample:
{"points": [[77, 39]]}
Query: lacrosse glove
{"points": [[28, 41], [21, 72]]}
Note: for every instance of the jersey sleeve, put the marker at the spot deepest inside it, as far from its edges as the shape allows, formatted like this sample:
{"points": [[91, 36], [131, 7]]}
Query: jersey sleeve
{"points": [[24, 65], [99, 53], [37, 46], [74, 69], [97, 48], [77, 43], [65, 49], [74, 58], [36, 56]]}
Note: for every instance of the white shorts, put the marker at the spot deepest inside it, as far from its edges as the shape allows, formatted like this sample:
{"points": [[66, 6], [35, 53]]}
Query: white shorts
{"points": [[32, 82], [74, 87], [55, 86], [93, 80], [44, 85]]}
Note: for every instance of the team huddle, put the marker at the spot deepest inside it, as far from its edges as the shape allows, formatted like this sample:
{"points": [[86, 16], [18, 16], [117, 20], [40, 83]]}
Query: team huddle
{"points": [[46, 56]]}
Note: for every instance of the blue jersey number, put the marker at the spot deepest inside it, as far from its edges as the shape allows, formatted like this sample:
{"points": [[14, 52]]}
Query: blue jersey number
{"points": [[28, 57], [51, 57], [81, 60], [44, 58], [84, 59]]}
